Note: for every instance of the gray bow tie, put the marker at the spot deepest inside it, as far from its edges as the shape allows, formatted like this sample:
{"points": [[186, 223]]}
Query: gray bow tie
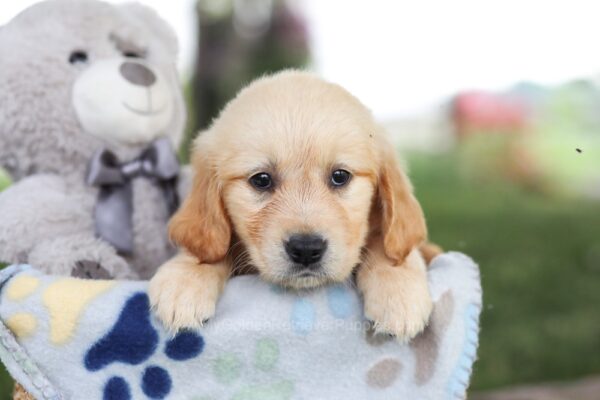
{"points": [[114, 206]]}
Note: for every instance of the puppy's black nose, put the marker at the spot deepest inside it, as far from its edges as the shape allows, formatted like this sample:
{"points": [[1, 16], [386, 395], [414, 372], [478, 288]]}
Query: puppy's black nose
{"points": [[137, 74], [305, 249]]}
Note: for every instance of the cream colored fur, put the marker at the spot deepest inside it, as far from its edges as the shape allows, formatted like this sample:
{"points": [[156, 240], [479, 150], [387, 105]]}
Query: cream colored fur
{"points": [[299, 129]]}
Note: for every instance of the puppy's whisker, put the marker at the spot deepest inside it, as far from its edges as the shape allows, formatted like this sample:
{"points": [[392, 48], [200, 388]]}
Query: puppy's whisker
{"points": [[240, 258], [233, 248], [240, 264], [351, 283], [367, 258]]}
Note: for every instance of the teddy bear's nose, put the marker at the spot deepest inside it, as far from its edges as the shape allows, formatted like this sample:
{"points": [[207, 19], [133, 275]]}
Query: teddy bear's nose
{"points": [[137, 74]]}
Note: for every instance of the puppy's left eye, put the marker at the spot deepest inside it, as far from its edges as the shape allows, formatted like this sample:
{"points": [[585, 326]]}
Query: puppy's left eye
{"points": [[261, 181], [340, 177]]}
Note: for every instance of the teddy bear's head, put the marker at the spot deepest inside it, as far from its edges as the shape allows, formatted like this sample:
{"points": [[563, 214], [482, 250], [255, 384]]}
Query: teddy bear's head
{"points": [[79, 75]]}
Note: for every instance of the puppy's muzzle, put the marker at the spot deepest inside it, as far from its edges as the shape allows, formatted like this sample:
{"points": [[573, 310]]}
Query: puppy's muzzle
{"points": [[306, 249]]}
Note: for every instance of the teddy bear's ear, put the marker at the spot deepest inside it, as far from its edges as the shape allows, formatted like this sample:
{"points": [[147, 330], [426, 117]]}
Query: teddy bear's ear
{"points": [[154, 22]]}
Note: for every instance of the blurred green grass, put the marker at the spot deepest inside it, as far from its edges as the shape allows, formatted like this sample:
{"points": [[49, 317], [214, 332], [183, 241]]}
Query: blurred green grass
{"points": [[6, 383], [540, 263], [4, 179]]}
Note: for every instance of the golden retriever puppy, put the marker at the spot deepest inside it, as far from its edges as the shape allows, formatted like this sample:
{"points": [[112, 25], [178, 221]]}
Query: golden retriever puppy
{"points": [[295, 180]]}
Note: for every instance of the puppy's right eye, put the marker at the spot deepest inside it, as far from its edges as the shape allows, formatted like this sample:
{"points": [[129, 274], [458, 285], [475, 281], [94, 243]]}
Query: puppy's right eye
{"points": [[340, 177], [261, 181]]}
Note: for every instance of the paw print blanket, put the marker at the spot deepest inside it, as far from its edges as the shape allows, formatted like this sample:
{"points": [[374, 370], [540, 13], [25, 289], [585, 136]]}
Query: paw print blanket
{"points": [[67, 338]]}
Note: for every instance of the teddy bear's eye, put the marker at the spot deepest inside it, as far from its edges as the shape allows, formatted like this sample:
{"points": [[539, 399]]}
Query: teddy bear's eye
{"points": [[132, 54], [78, 56]]}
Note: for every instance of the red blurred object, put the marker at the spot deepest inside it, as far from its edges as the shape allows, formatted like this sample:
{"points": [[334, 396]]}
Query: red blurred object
{"points": [[483, 112]]}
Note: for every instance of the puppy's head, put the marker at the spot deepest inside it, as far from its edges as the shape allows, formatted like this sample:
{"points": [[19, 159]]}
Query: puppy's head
{"points": [[299, 171]]}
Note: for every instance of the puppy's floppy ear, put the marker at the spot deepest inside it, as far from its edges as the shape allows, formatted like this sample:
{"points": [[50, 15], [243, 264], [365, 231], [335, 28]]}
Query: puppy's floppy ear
{"points": [[201, 225], [402, 222]]}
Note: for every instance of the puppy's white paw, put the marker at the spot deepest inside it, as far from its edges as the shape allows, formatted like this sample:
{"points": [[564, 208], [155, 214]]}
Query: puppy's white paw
{"points": [[396, 300], [184, 297], [396, 314]]}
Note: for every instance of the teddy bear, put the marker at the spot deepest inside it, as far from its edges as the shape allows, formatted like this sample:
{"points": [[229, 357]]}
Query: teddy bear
{"points": [[91, 112]]}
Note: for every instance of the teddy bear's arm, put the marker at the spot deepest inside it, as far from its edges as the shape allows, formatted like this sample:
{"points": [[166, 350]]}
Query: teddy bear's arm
{"points": [[80, 255], [184, 181], [44, 223]]}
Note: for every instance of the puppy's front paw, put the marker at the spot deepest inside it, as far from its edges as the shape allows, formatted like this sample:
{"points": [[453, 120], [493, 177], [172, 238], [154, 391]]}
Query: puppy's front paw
{"points": [[398, 316], [184, 297], [396, 299]]}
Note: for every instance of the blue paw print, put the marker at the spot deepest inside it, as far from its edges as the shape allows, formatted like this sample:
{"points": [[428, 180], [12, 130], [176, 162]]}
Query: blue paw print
{"points": [[341, 305], [133, 340]]}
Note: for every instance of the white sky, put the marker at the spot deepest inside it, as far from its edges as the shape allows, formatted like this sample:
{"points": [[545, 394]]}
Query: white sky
{"points": [[401, 56]]}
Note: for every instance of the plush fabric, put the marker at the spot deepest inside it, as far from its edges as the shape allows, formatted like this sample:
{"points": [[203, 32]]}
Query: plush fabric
{"points": [[49, 132], [263, 344]]}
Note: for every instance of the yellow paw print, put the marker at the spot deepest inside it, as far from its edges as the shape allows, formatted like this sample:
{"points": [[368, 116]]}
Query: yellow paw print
{"points": [[65, 299]]}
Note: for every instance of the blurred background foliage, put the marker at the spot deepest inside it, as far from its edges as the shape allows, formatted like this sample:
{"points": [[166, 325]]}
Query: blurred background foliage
{"points": [[540, 263], [239, 41], [511, 178], [4, 179]]}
